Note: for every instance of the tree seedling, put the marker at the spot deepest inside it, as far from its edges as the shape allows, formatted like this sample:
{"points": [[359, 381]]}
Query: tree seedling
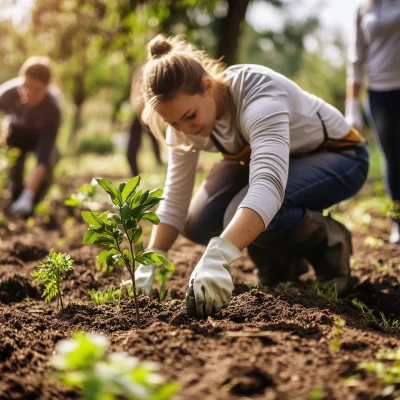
{"points": [[52, 273], [109, 230], [84, 362]]}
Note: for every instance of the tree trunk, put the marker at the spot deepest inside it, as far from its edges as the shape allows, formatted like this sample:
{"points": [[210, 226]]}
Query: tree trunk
{"points": [[230, 30]]}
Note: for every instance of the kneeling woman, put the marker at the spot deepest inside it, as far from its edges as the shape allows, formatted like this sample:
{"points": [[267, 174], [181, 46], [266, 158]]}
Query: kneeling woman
{"points": [[288, 155]]}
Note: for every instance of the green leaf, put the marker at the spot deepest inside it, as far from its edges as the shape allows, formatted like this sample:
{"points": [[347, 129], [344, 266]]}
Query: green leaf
{"points": [[114, 260], [121, 186], [144, 260], [130, 188], [130, 224], [126, 212], [111, 190], [166, 263], [134, 235], [92, 219], [139, 249], [90, 236], [71, 202], [144, 196], [135, 199], [152, 217], [158, 259], [104, 254], [156, 193]]}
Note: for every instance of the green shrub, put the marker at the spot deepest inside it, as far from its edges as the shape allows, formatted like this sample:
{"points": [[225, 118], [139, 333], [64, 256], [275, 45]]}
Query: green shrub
{"points": [[96, 144]]}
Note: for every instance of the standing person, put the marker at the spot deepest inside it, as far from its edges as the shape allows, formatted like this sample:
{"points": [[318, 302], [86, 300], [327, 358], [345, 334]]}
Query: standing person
{"points": [[136, 128], [33, 115], [375, 50], [288, 156]]}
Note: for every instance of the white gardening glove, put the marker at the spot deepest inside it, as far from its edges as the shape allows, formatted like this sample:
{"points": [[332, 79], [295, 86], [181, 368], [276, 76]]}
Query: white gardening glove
{"points": [[24, 204], [210, 285], [144, 276], [353, 114]]}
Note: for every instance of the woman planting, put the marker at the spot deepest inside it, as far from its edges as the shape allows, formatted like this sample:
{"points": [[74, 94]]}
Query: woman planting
{"points": [[287, 156]]}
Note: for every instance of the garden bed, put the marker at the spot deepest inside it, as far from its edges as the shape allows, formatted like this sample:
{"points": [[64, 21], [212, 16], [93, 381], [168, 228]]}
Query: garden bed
{"points": [[273, 344]]}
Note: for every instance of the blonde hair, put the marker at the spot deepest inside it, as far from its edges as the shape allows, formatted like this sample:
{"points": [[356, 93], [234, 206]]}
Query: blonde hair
{"points": [[175, 66]]}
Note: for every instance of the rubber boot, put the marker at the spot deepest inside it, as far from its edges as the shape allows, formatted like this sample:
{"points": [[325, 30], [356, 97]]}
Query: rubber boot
{"points": [[326, 244], [275, 265]]}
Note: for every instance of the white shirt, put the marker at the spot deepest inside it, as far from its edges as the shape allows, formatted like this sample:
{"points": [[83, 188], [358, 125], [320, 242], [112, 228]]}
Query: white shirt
{"points": [[375, 48], [276, 117]]}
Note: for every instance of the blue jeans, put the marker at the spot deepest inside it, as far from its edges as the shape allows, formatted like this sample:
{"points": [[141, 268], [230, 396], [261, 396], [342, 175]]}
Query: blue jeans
{"points": [[384, 115], [315, 182]]}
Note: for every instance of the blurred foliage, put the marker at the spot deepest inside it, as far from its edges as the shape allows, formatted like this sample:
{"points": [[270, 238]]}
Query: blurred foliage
{"points": [[99, 144], [97, 44]]}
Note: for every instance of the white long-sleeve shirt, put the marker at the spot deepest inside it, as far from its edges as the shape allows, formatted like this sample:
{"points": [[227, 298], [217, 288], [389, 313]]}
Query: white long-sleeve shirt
{"points": [[375, 46], [276, 117]]}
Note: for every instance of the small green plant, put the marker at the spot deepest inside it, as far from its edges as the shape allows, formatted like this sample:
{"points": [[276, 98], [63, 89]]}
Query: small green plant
{"points": [[366, 312], [387, 370], [111, 294], [393, 324], [8, 157], [394, 211], [52, 273], [83, 196], [337, 332], [120, 233], [381, 266], [373, 242], [316, 394], [84, 362], [326, 291]]}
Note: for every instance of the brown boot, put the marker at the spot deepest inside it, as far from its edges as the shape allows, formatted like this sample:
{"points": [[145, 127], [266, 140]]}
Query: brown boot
{"points": [[326, 244], [275, 265]]}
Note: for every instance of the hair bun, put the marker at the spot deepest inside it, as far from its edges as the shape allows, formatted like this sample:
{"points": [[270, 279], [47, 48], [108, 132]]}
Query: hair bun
{"points": [[159, 46]]}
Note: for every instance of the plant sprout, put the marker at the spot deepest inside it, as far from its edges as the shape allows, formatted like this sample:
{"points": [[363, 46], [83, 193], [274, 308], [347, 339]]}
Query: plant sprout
{"points": [[109, 230], [111, 294], [337, 332], [84, 195], [387, 370], [52, 273]]}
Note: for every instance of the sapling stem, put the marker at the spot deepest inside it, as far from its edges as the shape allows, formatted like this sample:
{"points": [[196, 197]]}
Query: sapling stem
{"points": [[108, 229], [132, 274]]}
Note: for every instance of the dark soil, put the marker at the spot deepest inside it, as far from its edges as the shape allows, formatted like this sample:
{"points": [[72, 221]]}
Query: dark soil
{"points": [[265, 345]]}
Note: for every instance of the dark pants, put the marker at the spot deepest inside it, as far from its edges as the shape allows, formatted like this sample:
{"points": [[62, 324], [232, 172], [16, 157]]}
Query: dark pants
{"points": [[384, 113], [315, 182], [16, 176], [135, 139]]}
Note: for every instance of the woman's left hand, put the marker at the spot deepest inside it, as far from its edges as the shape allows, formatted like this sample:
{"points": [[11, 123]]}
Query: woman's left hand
{"points": [[211, 281]]}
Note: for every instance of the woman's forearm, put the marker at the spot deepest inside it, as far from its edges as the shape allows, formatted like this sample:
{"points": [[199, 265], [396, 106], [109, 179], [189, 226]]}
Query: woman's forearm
{"points": [[163, 237], [245, 226], [353, 91]]}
